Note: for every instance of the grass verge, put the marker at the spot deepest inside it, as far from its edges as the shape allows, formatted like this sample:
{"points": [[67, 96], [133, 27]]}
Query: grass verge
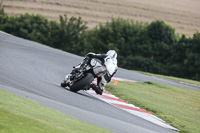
{"points": [[171, 78], [20, 115], [178, 106]]}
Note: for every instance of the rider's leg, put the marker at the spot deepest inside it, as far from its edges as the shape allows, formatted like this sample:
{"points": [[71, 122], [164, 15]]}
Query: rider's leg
{"points": [[101, 83]]}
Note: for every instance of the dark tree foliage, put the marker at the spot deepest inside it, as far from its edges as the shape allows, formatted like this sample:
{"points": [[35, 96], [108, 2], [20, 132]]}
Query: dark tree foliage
{"points": [[192, 60], [158, 31], [70, 34], [150, 47], [65, 35], [33, 27]]}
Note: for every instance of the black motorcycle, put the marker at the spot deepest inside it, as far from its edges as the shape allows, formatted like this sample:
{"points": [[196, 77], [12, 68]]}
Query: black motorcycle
{"points": [[83, 75]]}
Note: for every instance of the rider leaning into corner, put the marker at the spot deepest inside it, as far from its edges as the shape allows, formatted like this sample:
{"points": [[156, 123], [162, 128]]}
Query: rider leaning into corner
{"points": [[110, 61]]}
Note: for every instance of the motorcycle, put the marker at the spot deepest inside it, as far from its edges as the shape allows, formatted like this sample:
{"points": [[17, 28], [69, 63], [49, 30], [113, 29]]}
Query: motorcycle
{"points": [[84, 74]]}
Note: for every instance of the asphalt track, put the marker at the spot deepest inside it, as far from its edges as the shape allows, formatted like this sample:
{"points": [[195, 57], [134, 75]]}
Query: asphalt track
{"points": [[34, 71]]}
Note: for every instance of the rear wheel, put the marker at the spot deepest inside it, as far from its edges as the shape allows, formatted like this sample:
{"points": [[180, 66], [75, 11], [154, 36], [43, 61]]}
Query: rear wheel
{"points": [[81, 84]]}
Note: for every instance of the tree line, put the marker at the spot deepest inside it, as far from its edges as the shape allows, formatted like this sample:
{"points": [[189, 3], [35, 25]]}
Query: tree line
{"points": [[153, 47]]}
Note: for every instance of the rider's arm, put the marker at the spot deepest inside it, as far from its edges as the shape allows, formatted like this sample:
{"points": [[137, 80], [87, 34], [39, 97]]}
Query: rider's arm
{"points": [[113, 73], [108, 77], [98, 56]]}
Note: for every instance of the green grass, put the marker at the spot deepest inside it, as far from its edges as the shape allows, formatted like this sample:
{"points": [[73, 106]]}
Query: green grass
{"points": [[178, 106], [171, 78], [19, 115]]}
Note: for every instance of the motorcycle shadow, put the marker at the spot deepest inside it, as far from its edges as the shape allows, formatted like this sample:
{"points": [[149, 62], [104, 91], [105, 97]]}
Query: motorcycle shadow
{"points": [[81, 93]]}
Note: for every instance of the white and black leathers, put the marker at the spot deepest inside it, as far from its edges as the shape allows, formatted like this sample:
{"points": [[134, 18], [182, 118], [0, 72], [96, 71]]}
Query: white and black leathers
{"points": [[111, 66]]}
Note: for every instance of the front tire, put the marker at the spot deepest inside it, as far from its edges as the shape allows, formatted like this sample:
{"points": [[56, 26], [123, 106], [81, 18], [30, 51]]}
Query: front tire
{"points": [[81, 84], [63, 84]]}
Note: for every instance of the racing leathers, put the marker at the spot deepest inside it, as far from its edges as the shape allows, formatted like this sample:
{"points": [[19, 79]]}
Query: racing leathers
{"points": [[111, 66]]}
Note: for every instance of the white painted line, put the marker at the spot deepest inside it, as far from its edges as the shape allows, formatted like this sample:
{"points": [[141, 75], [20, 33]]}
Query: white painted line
{"points": [[151, 118], [120, 79], [110, 95], [119, 103]]}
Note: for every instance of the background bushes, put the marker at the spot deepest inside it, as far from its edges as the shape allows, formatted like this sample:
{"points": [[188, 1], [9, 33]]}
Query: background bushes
{"points": [[65, 35], [150, 47]]}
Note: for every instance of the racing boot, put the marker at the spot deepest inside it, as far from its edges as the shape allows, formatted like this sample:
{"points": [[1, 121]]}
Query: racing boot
{"points": [[97, 89]]}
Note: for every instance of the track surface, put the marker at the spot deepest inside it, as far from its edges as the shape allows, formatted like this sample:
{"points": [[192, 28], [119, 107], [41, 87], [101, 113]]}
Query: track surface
{"points": [[34, 71]]}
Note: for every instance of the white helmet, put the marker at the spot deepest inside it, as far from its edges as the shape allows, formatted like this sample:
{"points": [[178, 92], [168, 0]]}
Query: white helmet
{"points": [[112, 54]]}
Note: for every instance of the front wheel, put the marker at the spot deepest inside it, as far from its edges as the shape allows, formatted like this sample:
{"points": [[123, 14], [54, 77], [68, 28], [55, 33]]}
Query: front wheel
{"points": [[63, 84], [81, 84]]}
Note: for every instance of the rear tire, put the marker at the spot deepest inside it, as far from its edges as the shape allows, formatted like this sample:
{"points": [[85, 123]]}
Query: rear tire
{"points": [[81, 84]]}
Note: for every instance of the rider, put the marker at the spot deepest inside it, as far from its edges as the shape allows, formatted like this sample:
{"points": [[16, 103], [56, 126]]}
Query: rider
{"points": [[110, 61]]}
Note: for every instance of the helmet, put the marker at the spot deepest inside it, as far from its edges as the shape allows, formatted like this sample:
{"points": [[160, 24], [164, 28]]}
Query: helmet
{"points": [[112, 54]]}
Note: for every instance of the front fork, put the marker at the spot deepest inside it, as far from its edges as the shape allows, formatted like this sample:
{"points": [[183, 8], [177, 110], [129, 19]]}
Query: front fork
{"points": [[67, 79]]}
